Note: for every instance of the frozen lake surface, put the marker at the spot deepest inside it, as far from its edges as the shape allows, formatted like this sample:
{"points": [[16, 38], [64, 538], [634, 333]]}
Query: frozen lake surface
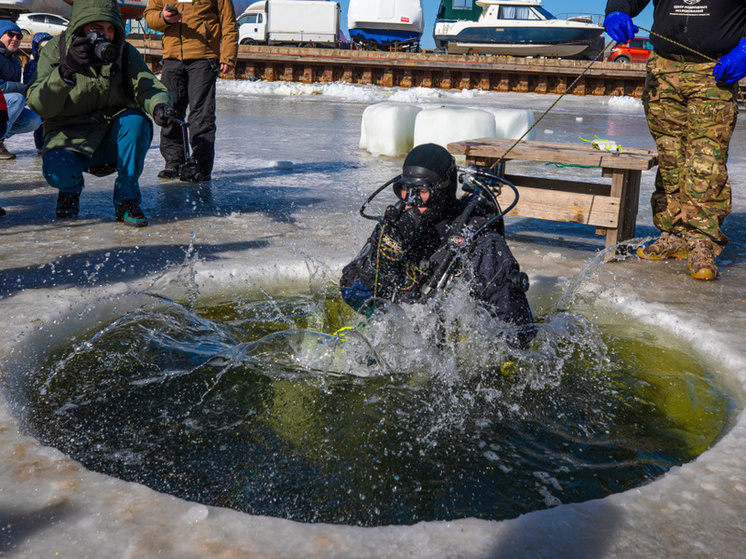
{"points": [[261, 223]]}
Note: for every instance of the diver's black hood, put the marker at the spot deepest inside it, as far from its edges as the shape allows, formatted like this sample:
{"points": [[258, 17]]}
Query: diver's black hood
{"points": [[427, 164], [430, 165]]}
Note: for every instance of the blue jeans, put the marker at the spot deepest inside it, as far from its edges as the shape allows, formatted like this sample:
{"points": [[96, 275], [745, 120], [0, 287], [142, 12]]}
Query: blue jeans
{"points": [[20, 119], [125, 145]]}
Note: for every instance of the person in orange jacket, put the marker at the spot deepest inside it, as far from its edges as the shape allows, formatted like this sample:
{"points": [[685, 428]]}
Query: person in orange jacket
{"points": [[200, 41]]}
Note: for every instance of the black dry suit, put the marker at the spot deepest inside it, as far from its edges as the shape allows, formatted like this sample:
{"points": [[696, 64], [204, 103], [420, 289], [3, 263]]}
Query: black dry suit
{"points": [[404, 251]]}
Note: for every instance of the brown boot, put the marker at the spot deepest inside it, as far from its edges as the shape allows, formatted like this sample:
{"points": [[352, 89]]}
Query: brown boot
{"points": [[4, 153], [666, 246], [702, 260]]}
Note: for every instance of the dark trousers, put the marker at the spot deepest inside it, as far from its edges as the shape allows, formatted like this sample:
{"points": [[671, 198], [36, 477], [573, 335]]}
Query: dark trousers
{"points": [[192, 85]]}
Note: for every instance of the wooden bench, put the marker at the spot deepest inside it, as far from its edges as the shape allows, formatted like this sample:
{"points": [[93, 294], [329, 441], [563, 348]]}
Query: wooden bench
{"points": [[611, 208]]}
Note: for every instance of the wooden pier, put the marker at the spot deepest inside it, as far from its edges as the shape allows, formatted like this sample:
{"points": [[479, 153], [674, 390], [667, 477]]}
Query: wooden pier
{"points": [[443, 71], [426, 69]]}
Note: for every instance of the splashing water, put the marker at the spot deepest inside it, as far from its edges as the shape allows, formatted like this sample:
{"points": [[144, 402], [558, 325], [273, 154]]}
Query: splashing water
{"points": [[417, 413]]}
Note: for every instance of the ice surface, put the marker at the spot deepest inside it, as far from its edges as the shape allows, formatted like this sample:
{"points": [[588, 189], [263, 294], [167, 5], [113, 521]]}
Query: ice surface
{"points": [[259, 224]]}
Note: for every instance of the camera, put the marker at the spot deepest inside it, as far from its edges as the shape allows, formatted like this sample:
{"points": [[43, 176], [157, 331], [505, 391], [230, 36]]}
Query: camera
{"points": [[104, 50]]}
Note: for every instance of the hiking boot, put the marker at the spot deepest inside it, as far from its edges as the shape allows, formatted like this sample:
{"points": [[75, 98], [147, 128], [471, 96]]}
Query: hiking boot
{"points": [[702, 260], [4, 153], [68, 206], [170, 172], [130, 213], [666, 246]]}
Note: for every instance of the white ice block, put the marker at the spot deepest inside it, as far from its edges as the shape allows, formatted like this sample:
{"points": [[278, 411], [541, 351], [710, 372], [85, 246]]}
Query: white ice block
{"points": [[452, 124], [511, 124], [395, 128], [388, 128]]}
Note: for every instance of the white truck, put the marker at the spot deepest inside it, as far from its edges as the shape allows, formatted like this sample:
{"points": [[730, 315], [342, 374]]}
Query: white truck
{"points": [[290, 22]]}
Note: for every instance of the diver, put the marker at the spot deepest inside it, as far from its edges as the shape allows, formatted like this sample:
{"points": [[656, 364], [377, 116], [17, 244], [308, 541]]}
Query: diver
{"points": [[430, 236]]}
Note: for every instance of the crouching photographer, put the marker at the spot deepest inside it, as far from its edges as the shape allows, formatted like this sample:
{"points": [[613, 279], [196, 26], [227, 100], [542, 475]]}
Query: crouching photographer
{"points": [[94, 91]]}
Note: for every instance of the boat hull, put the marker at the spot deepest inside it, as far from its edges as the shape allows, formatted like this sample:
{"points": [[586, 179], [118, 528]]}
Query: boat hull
{"points": [[383, 36], [384, 22], [556, 38]]}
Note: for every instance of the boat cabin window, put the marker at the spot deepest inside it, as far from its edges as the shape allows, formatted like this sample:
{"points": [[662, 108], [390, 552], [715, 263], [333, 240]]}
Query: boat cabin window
{"points": [[458, 9], [518, 12]]}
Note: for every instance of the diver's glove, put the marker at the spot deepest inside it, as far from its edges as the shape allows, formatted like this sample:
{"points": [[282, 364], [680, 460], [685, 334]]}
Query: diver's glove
{"points": [[732, 66], [400, 232], [619, 26], [357, 294]]}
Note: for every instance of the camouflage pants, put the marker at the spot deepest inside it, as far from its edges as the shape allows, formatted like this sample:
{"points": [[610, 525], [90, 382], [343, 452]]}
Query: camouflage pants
{"points": [[691, 118]]}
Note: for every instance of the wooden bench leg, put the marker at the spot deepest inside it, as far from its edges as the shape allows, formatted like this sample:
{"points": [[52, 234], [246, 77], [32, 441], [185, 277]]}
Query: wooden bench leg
{"points": [[630, 204], [626, 185]]}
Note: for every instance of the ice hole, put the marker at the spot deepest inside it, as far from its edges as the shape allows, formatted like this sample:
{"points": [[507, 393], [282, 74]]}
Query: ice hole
{"points": [[295, 407]]}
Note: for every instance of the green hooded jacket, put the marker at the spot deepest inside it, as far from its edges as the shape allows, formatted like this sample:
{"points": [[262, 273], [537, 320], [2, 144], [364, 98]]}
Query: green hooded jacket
{"points": [[77, 117]]}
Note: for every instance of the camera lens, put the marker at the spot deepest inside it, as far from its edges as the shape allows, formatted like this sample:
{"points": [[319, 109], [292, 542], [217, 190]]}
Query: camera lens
{"points": [[104, 50]]}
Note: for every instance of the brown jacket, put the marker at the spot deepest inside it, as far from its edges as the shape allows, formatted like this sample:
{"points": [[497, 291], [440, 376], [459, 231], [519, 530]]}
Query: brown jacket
{"points": [[207, 29]]}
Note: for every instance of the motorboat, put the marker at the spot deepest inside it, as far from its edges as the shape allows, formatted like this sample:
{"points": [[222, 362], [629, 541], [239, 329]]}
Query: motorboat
{"points": [[512, 27], [382, 23]]}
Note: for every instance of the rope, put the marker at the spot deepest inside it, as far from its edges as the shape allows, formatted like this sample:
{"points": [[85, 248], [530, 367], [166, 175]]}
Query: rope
{"points": [[519, 140], [694, 51]]}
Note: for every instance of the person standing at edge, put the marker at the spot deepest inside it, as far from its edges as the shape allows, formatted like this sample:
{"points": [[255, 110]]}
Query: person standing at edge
{"points": [[691, 108], [94, 100], [200, 40]]}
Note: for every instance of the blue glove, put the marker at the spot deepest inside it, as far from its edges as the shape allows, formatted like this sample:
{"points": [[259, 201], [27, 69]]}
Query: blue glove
{"points": [[619, 26], [732, 66], [357, 294]]}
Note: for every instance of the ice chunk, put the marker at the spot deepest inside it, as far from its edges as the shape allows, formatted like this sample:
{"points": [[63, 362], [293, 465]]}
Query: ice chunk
{"points": [[394, 128], [388, 128], [624, 102], [511, 124], [452, 124], [285, 165]]}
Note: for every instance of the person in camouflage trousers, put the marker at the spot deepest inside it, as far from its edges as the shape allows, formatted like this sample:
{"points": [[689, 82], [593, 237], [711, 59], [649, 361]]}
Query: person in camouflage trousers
{"points": [[692, 118], [690, 104]]}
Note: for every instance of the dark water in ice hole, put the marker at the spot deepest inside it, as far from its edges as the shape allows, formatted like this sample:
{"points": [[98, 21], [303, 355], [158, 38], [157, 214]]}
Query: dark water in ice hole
{"points": [[258, 406]]}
